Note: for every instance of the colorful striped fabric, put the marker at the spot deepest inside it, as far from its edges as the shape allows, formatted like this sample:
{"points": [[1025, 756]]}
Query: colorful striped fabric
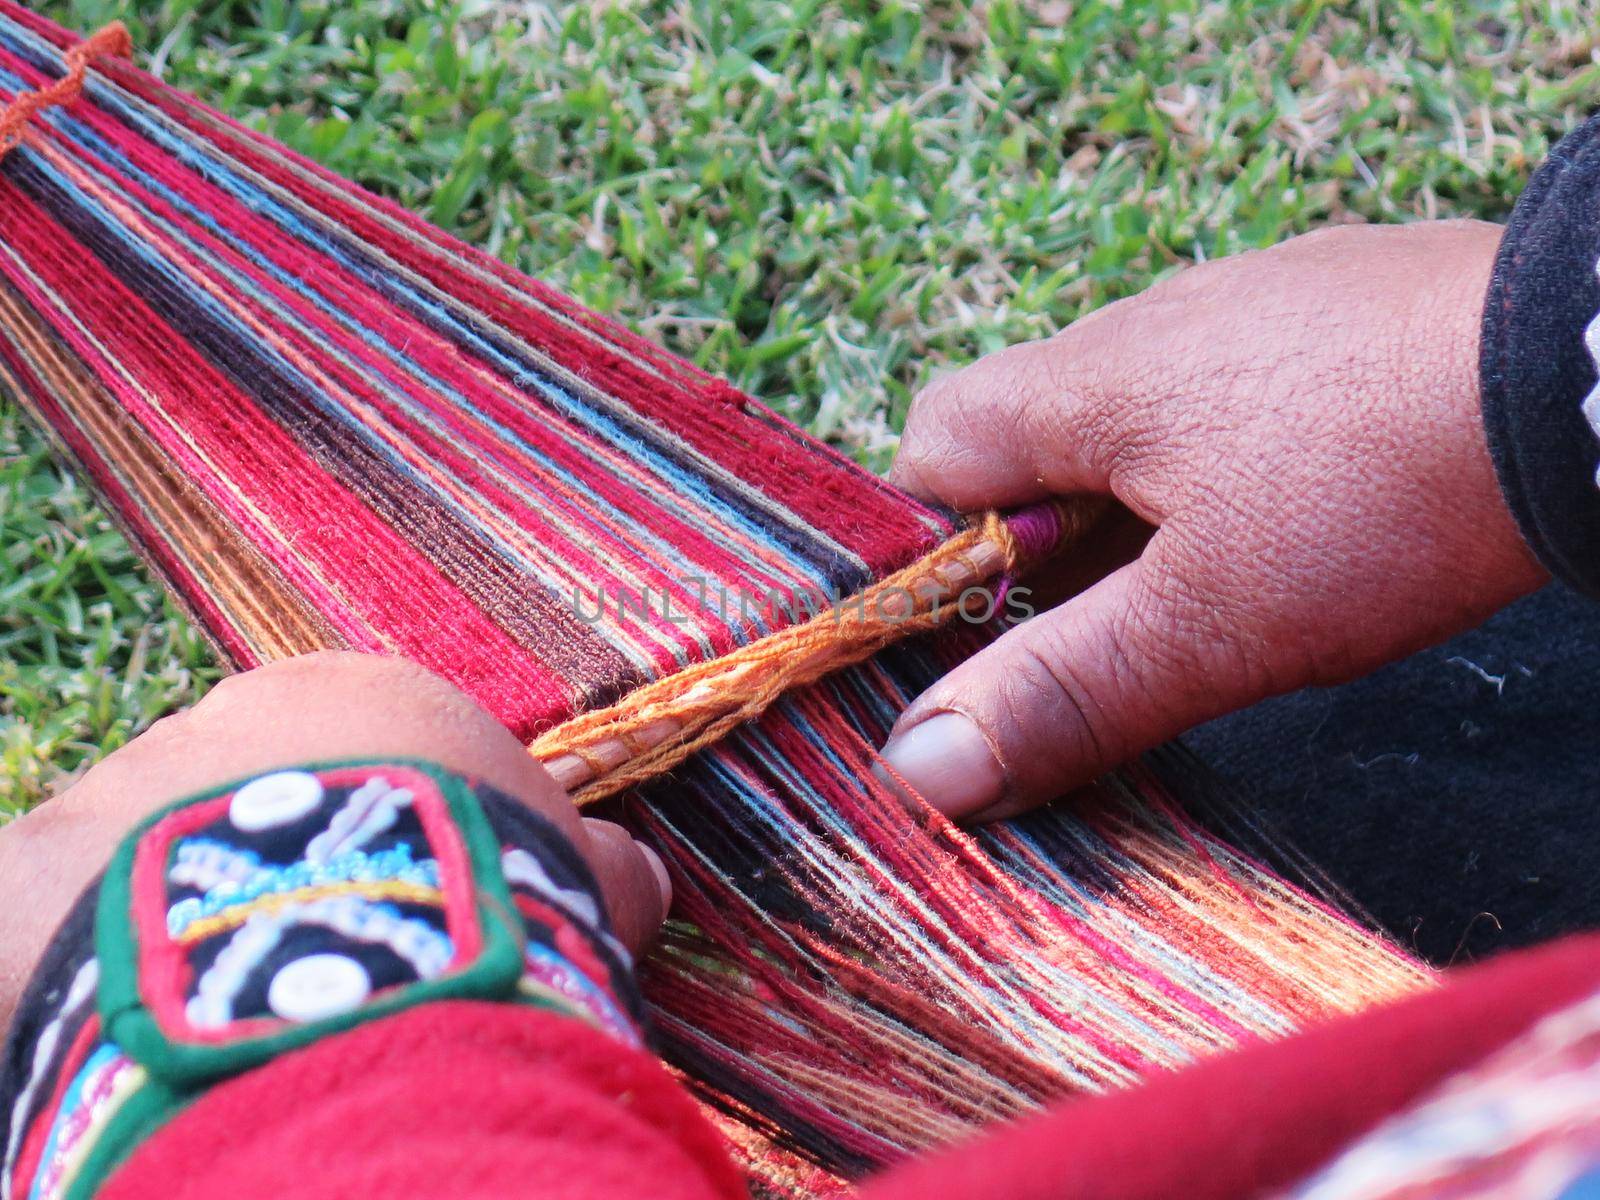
{"points": [[397, 434], [329, 425]]}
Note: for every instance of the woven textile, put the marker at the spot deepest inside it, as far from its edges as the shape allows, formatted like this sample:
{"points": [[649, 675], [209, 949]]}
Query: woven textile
{"points": [[413, 445], [330, 425]]}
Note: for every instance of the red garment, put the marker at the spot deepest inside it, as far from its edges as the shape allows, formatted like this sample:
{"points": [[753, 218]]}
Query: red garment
{"points": [[461, 1100], [471, 1101]]}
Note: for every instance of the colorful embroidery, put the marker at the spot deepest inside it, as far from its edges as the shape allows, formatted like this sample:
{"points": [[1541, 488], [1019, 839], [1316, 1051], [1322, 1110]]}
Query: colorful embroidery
{"points": [[555, 980], [527, 875], [571, 960], [232, 879], [358, 924], [238, 925], [93, 1097], [298, 865], [49, 1051]]}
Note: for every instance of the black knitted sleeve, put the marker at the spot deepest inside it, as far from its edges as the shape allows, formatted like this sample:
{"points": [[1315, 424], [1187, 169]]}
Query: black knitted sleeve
{"points": [[1536, 365]]}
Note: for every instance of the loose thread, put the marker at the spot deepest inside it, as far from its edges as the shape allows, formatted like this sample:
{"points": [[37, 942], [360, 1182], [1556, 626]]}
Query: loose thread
{"points": [[659, 725], [111, 40]]}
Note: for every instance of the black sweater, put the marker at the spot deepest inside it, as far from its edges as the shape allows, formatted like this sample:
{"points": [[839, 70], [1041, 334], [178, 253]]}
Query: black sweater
{"points": [[1538, 370]]}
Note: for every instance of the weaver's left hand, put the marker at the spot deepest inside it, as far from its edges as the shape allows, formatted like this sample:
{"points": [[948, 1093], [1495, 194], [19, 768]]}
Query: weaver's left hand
{"points": [[1301, 424]]}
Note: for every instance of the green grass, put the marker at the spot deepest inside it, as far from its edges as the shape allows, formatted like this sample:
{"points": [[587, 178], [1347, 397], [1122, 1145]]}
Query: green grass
{"points": [[827, 202]]}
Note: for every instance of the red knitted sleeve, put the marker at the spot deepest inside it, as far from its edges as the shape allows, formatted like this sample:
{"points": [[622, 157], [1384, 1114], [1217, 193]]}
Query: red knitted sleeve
{"points": [[464, 1101], [449, 1101]]}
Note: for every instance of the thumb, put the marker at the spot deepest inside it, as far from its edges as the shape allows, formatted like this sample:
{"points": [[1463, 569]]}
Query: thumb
{"points": [[1058, 700]]}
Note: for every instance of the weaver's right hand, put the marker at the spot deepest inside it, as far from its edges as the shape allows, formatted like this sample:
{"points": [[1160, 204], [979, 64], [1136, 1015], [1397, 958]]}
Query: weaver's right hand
{"points": [[1300, 426]]}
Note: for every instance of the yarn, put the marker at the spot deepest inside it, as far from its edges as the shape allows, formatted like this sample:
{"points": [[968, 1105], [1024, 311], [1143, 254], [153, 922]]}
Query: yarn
{"points": [[327, 424], [862, 984], [449, 475]]}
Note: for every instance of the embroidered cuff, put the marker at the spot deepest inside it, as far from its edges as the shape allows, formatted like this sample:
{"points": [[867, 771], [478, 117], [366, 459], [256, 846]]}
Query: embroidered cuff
{"points": [[1537, 364], [255, 919]]}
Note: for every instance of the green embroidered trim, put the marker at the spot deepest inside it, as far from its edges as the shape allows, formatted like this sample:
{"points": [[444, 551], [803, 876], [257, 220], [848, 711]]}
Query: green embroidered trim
{"points": [[127, 1020], [177, 1073]]}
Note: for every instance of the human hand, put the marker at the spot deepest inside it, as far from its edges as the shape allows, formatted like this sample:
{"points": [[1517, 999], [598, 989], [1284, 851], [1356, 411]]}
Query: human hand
{"points": [[318, 708], [1300, 425]]}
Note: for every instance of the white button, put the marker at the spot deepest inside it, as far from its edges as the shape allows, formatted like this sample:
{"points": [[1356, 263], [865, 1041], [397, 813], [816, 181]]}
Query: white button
{"points": [[318, 986], [273, 800]]}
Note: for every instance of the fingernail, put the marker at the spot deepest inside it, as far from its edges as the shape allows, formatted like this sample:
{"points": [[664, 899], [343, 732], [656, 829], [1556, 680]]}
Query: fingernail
{"points": [[659, 869], [949, 763]]}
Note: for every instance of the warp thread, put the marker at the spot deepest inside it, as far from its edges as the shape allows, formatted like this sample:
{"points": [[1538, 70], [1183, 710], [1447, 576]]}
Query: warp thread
{"points": [[424, 450], [111, 40], [658, 726]]}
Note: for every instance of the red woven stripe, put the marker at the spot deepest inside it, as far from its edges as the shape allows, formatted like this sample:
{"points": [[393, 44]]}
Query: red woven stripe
{"points": [[883, 526], [379, 572]]}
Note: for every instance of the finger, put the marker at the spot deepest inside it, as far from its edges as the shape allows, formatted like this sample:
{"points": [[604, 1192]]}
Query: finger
{"points": [[633, 879], [1059, 700], [1014, 427]]}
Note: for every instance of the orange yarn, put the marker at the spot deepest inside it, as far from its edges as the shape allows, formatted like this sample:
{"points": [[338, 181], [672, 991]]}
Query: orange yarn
{"points": [[112, 40], [657, 726]]}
